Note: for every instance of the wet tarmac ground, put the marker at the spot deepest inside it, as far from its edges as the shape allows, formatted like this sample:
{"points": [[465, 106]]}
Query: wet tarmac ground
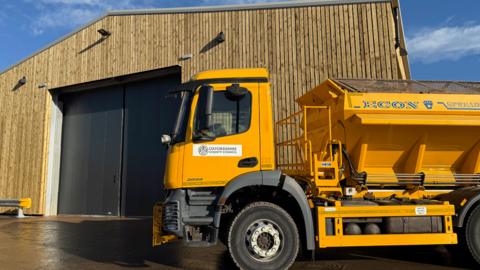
{"points": [[124, 243]]}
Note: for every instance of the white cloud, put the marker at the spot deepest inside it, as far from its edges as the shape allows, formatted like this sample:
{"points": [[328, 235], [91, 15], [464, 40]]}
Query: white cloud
{"points": [[64, 17], [70, 2], [101, 4], [445, 43], [68, 14]]}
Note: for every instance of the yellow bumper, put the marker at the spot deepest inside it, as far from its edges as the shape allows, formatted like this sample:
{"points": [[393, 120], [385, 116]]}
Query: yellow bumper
{"points": [[158, 237]]}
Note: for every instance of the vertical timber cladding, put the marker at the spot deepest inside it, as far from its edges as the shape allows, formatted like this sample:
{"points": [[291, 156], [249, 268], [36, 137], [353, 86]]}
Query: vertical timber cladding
{"points": [[300, 46]]}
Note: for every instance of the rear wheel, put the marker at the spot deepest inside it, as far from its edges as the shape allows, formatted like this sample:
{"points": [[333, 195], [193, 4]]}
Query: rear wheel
{"points": [[471, 235], [263, 236]]}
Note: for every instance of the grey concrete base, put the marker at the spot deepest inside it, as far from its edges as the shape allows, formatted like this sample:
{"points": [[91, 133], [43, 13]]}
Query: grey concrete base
{"points": [[120, 243]]}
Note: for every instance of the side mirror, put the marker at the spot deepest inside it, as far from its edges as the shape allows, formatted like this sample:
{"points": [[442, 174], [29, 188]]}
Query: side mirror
{"points": [[166, 139], [204, 111]]}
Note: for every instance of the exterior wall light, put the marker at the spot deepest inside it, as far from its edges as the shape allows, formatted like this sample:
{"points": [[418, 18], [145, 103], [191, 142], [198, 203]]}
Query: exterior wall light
{"points": [[220, 37], [185, 57], [22, 81], [104, 32]]}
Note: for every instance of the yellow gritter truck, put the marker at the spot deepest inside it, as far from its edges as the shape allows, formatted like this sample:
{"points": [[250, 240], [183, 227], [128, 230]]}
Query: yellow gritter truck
{"points": [[363, 163]]}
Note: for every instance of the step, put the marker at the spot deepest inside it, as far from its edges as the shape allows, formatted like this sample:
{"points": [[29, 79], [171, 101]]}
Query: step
{"points": [[198, 220]]}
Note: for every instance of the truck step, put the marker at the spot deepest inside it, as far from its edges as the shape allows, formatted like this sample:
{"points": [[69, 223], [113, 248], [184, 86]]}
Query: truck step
{"points": [[200, 192], [198, 220], [202, 200], [201, 197]]}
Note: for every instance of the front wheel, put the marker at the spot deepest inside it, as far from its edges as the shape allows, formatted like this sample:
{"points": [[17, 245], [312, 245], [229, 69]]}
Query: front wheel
{"points": [[263, 236]]}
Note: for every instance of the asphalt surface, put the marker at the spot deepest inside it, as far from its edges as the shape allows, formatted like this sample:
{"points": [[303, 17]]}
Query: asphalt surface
{"points": [[121, 243]]}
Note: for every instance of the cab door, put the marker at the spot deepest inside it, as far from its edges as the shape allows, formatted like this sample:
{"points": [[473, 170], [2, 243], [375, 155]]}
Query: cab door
{"points": [[234, 148]]}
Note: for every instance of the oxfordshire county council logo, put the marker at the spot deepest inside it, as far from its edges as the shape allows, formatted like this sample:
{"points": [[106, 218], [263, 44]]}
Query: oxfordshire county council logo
{"points": [[203, 150], [428, 104]]}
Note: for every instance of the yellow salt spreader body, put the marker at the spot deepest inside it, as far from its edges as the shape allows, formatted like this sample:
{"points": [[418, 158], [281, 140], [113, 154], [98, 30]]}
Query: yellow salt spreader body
{"points": [[381, 155]]}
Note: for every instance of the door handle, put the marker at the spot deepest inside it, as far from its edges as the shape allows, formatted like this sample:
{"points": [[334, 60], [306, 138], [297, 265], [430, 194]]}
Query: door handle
{"points": [[248, 162], [114, 178]]}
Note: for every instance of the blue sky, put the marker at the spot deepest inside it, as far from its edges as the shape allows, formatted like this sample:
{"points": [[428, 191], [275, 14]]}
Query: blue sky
{"points": [[443, 37]]}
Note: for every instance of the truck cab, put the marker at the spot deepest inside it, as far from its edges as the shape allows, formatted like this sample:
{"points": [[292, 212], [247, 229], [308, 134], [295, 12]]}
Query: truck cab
{"points": [[236, 135]]}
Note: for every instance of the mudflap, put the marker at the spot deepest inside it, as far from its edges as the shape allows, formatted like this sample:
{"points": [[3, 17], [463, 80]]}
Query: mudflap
{"points": [[158, 237]]}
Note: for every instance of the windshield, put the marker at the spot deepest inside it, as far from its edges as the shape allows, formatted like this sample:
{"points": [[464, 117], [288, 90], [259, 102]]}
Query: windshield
{"points": [[229, 116], [186, 92]]}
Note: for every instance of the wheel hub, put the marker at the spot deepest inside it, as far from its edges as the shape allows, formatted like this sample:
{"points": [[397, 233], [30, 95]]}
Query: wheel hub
{"points": [[263, 239]]}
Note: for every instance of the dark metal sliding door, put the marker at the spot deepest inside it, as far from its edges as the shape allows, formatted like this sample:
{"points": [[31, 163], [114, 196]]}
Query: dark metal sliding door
{"points": [[112, 159], [91, 152], [148, 115]]}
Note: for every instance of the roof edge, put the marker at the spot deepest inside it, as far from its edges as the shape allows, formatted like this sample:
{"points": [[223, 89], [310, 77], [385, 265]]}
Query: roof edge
{"points": [[272, 5], [194, 9]]}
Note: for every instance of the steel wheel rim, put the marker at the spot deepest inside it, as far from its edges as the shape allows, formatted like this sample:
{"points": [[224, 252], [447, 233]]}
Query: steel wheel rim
{"points": [[264, 240]]}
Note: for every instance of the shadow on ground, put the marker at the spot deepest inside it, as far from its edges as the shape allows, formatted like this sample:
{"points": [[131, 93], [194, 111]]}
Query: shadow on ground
{"points": [[114, 243]]}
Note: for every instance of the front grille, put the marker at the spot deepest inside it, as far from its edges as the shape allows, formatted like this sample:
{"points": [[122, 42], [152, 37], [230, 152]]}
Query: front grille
{"points": [[171, 216]]}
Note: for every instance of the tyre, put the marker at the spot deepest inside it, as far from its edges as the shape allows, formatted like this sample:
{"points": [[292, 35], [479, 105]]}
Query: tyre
{"points": [[471, 235], [263, 236]]}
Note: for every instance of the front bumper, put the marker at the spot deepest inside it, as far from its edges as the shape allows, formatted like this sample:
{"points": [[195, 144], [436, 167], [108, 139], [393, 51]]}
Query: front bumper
{"points": [[187, 216], [159, 237]]}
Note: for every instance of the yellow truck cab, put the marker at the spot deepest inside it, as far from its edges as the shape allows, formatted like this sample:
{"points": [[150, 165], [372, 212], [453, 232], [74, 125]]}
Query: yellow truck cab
{"points": [[363, 163]]}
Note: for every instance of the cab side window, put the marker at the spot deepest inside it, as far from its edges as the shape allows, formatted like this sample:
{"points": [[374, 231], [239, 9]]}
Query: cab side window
{"points": [[229, 116]]}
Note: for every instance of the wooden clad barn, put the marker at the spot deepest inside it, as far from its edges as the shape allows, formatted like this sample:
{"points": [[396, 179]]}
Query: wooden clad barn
{"points": [[93, 101]]}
